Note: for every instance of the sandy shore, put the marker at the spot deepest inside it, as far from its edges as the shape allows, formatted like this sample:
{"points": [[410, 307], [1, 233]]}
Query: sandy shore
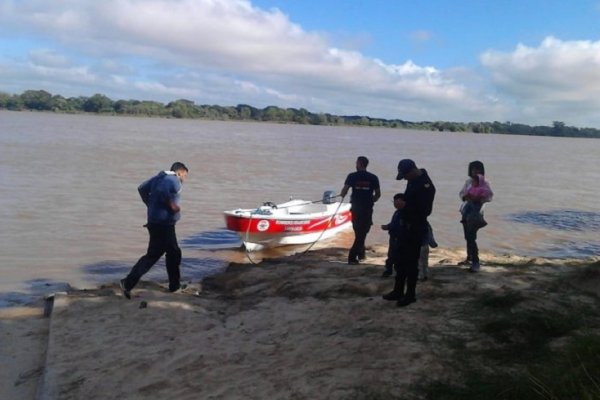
{"points": [[298, 327]]}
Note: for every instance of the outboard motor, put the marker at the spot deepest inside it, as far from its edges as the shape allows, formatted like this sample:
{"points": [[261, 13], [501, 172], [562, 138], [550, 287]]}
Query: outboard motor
{"points": [[329, 197]]}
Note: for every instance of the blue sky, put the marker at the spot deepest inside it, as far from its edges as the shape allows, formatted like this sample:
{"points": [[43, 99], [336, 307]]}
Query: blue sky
{"points": [[524, 61]]}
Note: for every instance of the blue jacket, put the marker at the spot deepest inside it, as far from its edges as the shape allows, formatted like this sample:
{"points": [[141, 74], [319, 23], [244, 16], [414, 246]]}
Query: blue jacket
{"points": [[419, 196], [396, 226], [157, 193]]}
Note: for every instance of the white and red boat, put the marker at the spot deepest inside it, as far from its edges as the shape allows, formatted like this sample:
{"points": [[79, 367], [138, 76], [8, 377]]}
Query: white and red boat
{"points": [[292, 222]]}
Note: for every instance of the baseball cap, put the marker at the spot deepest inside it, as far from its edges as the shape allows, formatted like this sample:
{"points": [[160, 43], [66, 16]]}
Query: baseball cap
{"points": [[405, 166]]}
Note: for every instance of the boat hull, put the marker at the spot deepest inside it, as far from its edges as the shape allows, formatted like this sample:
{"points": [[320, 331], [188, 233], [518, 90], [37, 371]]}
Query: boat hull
{"points": [[292, 223]]}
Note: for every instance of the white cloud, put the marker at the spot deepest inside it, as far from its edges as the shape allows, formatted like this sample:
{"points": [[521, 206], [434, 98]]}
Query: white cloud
{"points": [[229, 52], [153, 88], [227, 42], [247, 87], [558, 80], [49, 58]]}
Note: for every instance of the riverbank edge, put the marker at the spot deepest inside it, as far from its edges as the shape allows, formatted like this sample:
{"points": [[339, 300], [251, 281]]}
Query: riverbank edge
{"points": [[28, 328]]}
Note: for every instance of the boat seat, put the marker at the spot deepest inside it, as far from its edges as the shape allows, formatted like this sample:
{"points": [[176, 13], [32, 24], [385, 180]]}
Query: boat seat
{"points": [[307, 209]]}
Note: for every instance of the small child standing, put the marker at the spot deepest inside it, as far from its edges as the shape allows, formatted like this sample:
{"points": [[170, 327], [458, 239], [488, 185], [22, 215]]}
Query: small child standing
{"points": [[395, 229], [424, 255]]}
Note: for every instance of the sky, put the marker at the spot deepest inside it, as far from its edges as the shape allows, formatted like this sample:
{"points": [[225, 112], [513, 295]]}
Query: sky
{"points": [[521, 61]]}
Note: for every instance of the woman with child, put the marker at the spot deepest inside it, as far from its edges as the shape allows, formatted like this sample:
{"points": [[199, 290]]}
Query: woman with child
{"points": [[475, 193]]}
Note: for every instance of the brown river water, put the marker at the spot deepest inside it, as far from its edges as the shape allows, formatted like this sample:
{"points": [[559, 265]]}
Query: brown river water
{"points": [[71, 213]]}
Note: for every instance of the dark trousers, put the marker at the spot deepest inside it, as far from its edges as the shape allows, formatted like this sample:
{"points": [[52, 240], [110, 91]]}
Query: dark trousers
{"points": [[471, 238], [392, 253], [407, 263], [362, 219], [162, 240]]}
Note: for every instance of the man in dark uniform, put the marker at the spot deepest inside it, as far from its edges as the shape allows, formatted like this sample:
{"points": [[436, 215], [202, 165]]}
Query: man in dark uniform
{"points": [[365, 192], [419, 195]]}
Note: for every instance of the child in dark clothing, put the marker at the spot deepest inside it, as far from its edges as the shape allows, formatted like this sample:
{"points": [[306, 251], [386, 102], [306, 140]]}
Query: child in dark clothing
{"points": [[395, 229]]}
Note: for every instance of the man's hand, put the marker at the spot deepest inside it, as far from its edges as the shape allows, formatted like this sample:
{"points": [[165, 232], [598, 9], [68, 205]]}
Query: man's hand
{"points": [[174, 207]]}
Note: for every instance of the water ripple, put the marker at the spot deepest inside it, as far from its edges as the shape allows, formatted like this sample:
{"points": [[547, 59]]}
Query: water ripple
{"points": [[191, 268], [212, 240], [564, 220], [37, 289], [573, 250]]}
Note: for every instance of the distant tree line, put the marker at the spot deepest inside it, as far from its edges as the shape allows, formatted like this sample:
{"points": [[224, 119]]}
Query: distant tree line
{"points": [[40, 100]]}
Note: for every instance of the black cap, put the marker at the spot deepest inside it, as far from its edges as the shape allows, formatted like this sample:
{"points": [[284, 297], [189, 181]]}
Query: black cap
{"points": [[404, 167]]}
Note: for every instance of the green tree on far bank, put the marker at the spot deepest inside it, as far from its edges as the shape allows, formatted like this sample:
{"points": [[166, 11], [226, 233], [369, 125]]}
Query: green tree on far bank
{"points": [[98, 103], [41, 100]]}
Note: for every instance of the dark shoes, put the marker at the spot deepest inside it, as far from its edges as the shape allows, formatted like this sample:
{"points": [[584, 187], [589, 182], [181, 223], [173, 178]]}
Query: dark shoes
{"points": [[403, 302], [178, 288], [387, 273], [474, 267], [393, 296], [357, 260], [126, 293]]}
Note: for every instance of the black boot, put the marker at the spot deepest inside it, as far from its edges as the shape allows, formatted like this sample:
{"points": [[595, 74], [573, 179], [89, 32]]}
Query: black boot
{"points": [[393, 296], [410, 296], [403, 302], [398, 292]]}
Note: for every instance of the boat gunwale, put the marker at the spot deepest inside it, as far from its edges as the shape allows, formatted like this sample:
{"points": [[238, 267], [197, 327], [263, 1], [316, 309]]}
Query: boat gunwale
{"points": [[251, 213]]}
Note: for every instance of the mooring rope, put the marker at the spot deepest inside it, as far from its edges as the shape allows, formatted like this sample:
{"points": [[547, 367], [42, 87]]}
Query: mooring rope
{"points": [[298, 255]]}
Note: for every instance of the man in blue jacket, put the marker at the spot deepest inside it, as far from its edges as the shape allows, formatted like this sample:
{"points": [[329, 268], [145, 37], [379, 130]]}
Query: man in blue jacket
{"points": [[161, 195]]}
